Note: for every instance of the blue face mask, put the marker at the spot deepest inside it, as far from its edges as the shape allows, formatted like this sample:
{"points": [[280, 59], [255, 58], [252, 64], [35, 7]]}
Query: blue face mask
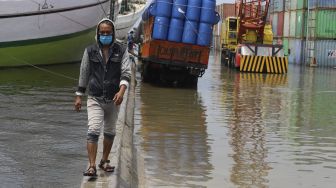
{"points": [[105, 39]]}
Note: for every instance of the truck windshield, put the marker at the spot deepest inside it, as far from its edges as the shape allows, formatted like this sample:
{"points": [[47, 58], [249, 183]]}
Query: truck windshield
{"points": [[233, 24]]}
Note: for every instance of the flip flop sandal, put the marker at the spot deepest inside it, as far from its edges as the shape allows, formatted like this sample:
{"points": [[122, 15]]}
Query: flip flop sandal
{"points": [[91, 171], [104, 165]]}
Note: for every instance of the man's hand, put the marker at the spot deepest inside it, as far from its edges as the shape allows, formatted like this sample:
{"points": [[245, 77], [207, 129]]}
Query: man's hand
{"points": [[78, 103], [118, 98]]}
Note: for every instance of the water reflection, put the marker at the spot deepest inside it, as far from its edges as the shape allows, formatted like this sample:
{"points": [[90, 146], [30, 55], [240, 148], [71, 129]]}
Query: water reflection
{"points": [[174, 136], [41, 137], [247, 125], [257, 130]]}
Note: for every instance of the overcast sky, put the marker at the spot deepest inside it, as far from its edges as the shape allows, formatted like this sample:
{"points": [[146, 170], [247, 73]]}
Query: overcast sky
{"points": [[224, 1]]}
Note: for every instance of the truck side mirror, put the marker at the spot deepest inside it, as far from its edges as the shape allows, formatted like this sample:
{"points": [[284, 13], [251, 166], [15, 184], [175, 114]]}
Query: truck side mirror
{"points": [[289, 51]]}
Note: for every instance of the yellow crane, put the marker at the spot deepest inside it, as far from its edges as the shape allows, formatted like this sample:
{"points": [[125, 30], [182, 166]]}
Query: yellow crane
{"points": [[247, 40]]}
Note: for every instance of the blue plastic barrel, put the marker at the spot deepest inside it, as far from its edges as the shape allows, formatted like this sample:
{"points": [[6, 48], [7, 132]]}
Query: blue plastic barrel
{"points": [[161, 25], [204, 34], [176, 30], [163, 8], [190, 32], [179, 9], [208, 11], [194, 10], [217, 18], [148, 12]]}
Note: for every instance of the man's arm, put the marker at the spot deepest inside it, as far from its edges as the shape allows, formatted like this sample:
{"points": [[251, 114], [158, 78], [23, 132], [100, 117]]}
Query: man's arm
{"points": [[124, 79], [125, 70], [83, 80]]}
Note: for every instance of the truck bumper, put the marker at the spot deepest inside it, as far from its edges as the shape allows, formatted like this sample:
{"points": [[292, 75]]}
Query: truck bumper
{"points": [[263, 64]]}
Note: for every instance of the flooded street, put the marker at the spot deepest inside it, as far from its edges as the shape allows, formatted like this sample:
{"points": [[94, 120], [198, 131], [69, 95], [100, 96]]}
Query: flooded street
{"points": [[234, 130], [240, 130], [42, 142]]}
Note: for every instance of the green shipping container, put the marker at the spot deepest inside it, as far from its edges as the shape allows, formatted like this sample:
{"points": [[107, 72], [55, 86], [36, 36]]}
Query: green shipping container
{"points": [[301, 4], [326, 24], [300, 25]]}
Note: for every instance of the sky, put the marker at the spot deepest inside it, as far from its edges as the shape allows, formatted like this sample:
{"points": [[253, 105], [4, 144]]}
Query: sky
{"points": [[224, 1]]}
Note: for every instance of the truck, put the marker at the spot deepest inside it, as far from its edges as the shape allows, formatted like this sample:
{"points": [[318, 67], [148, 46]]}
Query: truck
{"points": [[247, 40], [171, 62], [180, 60]]}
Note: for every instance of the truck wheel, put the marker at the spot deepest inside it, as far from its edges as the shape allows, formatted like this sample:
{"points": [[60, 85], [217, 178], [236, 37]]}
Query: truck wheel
{"points": [[191, 81], [145, 72]]}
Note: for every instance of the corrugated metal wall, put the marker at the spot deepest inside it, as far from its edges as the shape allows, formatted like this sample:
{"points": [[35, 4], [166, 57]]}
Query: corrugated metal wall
{"points": [[289, 19], [322, 3], [326, 23], [321, 24], [325, 52]]}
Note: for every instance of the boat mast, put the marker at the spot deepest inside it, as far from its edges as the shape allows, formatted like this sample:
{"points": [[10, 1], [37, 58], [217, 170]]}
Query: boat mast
{"points": [[112, 10]]}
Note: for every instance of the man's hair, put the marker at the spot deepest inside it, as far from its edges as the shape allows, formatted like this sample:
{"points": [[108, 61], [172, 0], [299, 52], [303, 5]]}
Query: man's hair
{"points": [[107, 23]]}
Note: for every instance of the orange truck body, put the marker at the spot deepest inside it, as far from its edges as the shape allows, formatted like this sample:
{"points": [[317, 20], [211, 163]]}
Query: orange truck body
{"points": [[172, 53]]}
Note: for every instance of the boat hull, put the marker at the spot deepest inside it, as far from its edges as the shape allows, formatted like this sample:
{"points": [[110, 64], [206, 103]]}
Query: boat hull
{"points": [[124, 23], [54, 50], [57, 33]]}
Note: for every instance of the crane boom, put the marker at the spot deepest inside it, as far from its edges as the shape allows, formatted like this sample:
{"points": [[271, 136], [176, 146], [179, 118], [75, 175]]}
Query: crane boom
{"points": [[252, 16]]}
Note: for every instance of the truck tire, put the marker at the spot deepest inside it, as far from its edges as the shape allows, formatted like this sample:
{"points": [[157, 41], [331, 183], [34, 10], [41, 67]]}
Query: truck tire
{"points": [[191, 81], [145, 72]]}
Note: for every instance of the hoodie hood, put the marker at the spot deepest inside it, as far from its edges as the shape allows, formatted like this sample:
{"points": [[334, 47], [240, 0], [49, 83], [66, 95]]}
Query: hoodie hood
{"points": [[97, 28]]}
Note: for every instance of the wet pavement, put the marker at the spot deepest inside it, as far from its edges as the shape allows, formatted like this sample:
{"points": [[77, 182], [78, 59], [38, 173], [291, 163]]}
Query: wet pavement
{"points": [[240, 130]]}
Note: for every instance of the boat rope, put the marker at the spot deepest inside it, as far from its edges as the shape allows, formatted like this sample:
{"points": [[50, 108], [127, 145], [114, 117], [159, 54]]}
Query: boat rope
{"points": [[85, 26], [101, 6], [43, 69]]}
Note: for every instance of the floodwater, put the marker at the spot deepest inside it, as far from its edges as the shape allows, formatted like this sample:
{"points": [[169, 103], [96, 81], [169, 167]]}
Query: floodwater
{"points": [[42, 140], [239, 130], [234, 130]]}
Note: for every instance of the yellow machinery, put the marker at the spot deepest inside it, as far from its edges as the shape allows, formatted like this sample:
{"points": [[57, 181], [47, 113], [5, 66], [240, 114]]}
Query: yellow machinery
{"points": [[247, 40]]}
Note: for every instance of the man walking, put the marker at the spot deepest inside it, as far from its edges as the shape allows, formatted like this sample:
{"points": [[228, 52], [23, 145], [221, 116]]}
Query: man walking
{"points": [[105, 70]]}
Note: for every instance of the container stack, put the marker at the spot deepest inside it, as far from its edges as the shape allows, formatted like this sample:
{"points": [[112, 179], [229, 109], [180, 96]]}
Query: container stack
{"points": [[307, 29], [186, 21]]}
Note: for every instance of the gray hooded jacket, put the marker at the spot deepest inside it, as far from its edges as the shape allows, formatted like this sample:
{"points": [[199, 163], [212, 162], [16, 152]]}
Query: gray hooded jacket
{"points": [[103, 79]]}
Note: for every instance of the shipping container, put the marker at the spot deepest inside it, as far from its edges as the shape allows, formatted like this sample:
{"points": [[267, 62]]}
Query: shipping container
{"points": [[226, 10], [326, 24], [285, 46], [301, 27], [296, 48], [329, 4], [301, 4], [277, 6], [286, 25], [297, 51], [325, 53], [280, 24], [274, 21], [292, 24], [293, 4]]}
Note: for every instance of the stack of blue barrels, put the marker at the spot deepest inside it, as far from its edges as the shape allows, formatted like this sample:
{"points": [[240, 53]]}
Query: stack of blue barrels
{"points": [[186, 21]]}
